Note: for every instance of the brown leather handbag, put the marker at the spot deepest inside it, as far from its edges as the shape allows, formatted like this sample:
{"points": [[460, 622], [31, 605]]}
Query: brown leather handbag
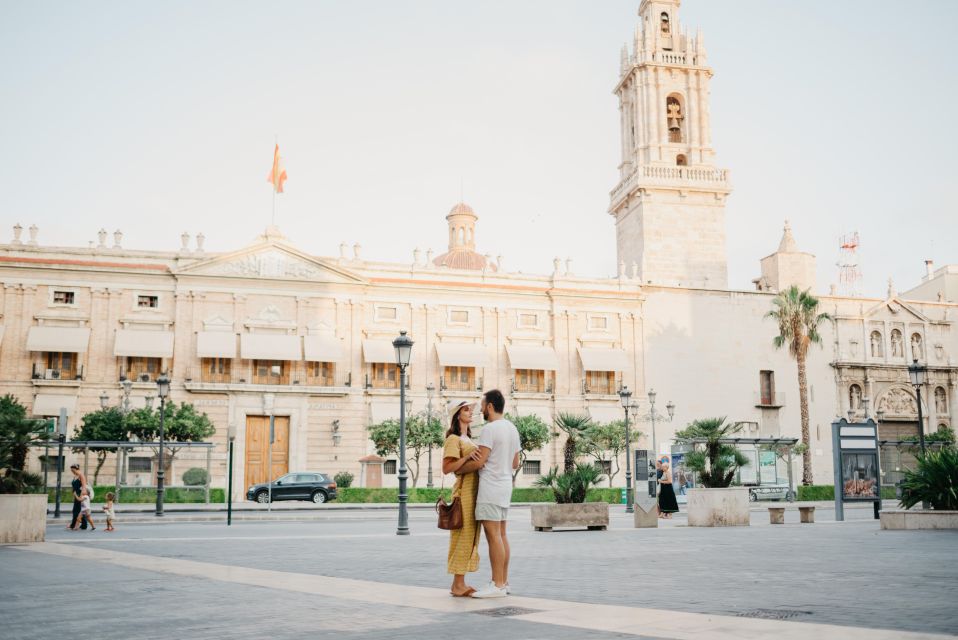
{"points": [[450, 515]]}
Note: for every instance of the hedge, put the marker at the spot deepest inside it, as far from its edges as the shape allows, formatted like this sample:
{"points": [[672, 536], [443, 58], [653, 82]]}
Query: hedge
{"points": [[817, 492], [133, 495], [353, 495]]}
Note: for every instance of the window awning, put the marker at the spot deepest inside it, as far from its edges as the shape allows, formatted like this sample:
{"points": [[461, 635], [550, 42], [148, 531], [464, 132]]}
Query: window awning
{"points": [[265, 346], [606, 413], [67, 339], [462, 355], [382, 411], [533, 358], [379, 351], [216, 344], [603, 359], [49, 404], [324, 347], [146, 344]]}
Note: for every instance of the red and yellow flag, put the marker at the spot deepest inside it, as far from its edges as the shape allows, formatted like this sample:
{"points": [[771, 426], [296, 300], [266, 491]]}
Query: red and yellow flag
{"points": [[277, 175]]}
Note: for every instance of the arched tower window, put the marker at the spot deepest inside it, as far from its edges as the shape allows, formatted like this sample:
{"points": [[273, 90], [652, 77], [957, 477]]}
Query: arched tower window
{"points": [[675, 115], [681, 160], [462, 236], [665, 23]]}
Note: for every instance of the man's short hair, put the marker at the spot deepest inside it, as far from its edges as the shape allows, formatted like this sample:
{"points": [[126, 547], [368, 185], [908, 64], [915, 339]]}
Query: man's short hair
{"points": [[496, 399]]}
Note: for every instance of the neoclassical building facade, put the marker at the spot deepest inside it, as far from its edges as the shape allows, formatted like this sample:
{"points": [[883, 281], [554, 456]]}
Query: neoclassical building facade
{"points": [[269, 327]]}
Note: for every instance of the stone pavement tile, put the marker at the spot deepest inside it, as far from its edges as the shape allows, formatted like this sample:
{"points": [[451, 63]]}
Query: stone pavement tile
{"points": [[52, 596]]}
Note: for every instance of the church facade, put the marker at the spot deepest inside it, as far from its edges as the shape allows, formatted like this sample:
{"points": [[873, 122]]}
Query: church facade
{"points": [[269, 328]]}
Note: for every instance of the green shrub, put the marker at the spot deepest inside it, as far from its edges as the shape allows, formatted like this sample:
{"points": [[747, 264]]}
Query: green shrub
{"points": [[343, 479], [819, 492], [194, 477], [145, 495], [934, 480], [571, 486]]}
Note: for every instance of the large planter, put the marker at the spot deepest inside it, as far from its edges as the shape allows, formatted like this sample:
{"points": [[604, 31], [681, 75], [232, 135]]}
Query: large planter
{"points": [[23, 517], [593, 516], [918, 519], [726, 507]]}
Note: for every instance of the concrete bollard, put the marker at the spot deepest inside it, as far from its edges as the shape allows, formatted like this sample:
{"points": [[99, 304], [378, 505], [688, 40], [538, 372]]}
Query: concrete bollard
{"points": [[776, 515], [807, 514]]}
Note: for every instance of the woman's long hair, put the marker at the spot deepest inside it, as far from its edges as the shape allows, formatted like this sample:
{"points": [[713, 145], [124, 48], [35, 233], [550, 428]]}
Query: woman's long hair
{"points": [[454, 428]]}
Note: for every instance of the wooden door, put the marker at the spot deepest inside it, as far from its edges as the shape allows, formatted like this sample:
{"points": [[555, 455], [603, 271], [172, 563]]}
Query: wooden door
{"points": [[257, 448]]}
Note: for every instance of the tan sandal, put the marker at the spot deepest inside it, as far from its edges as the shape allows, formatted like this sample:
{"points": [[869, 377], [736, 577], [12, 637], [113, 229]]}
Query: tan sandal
{"points": [[465, 594]]}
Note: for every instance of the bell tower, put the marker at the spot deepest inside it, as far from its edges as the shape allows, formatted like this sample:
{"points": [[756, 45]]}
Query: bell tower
{"points": [[669, 205]]}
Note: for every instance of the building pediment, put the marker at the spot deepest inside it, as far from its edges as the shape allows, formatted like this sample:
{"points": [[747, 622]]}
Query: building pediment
{"points": [[896, 308], [271, 260]]}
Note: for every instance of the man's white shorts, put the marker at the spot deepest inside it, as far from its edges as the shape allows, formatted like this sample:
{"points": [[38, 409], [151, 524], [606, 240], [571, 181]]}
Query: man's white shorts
{"points": [[492, 512]]}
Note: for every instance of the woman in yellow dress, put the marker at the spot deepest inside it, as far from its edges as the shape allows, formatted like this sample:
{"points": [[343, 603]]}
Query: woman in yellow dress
{"points": [[463, 543]]}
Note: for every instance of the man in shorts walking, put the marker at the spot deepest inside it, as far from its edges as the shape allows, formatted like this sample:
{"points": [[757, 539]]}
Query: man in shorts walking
{"points": [[498, 457]]}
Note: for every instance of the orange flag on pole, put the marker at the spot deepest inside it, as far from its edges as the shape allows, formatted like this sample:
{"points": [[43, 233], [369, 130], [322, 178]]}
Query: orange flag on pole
{"points": [[277, 175]]}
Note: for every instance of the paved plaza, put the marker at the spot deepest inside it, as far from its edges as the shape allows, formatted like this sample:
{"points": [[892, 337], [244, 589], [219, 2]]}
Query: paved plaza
{"points": [[347, 575]]}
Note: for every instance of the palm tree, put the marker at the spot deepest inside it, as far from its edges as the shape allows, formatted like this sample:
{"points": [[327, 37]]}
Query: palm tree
{"points": [[718, 461], [575, 426], [17, 434], [796, 312]]}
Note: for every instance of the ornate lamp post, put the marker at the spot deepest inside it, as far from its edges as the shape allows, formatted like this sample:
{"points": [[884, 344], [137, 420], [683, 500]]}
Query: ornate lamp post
{"points": [[430, 390], [652, 394], [625, 396], [162, 390], [918, 374], [403, 346]]}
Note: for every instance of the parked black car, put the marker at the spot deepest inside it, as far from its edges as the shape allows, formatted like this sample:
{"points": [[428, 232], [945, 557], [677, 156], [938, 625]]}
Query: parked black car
{"points": [[309, 485]]}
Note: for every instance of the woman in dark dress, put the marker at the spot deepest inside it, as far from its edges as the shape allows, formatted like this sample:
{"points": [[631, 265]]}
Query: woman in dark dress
{"points": [[78, 481], [667, 503]]}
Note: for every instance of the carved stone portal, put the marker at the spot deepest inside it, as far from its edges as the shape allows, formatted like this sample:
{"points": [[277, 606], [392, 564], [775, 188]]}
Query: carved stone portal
{"points": [[898, 402]]}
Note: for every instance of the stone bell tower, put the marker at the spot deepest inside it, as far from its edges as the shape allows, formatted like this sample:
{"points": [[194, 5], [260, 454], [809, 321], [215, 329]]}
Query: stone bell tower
{"points": [[669, 205]]}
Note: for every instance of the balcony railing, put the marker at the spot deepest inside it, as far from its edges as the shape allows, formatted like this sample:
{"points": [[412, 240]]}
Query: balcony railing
{"points": [[244, 376], [42, 373], [537, 386], [656, 175], [600, 386], [459, 385]]}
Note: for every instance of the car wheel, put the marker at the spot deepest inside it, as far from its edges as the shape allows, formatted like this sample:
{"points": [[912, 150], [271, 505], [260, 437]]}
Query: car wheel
{"points": [[319, 497], [752, 497], [262, 497]]}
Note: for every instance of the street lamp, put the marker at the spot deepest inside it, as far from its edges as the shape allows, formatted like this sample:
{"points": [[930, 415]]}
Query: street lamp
{"points": [[403, 346], [430, 390], [269, 402], [670, 407], [652, 394], [104, 400], [625, 396], [919, 374], [162, 390], [231, 435], [127, 387]]}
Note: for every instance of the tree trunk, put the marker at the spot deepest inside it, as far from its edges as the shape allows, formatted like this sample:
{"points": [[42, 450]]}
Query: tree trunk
{"points": [[414, 474], [100, 459], [569, 453], [803, 404]]}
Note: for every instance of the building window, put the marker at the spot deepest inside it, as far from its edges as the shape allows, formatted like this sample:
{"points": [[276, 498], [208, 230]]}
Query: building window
{"points": [[598, 323], [60, 366], [530, 380], [387, 313], [606, 466], [459, 378], [529, 320], [270, 372], [385, 376], [147, 302], [320, 373], [140, 369], [64, 297], [532, 468], [665, 23], [458, 317], [389, 467], [217, 369], [140, 465], [766, 387], [600, 382], [49, 463]]}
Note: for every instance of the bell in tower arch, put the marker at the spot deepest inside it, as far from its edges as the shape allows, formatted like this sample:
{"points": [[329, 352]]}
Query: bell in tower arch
{"points": [[673, 110]]}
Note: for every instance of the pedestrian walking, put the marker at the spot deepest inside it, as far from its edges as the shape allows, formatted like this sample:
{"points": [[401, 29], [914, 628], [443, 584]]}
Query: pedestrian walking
{"points": [[458, 450], [108, 511], [78, 482], [86, 512], [667, 502]]}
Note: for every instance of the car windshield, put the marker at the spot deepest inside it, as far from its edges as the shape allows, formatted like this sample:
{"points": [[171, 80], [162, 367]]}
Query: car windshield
{"points": [[287, 478]]}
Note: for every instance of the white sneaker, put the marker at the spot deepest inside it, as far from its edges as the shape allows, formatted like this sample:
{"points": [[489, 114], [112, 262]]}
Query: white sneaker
{"points": [[507, 588], [490, 591]]}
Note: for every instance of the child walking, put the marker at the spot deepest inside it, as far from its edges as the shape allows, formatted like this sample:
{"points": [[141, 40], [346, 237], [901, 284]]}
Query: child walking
{"points": [[108, 511], [85, 512]]}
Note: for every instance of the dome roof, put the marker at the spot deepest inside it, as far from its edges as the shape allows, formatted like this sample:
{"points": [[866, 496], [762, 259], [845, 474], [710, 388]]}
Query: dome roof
{"points": [[464, 259], [461, 208]]}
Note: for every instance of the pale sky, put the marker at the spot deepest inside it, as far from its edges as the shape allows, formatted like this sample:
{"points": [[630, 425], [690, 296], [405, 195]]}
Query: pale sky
{"points": [[159, 117]]}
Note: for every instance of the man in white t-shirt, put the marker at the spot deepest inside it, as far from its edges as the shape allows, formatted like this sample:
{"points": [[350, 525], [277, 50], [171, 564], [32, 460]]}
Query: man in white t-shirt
{"points": [[498, 458]]}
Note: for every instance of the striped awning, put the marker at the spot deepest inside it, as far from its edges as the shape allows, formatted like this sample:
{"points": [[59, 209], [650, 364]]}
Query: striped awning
{"points": [[379, 351], [64, 339], [266, 346], [323, 347], [603, 359], [537, 358], [462, 355], [216, 344]]}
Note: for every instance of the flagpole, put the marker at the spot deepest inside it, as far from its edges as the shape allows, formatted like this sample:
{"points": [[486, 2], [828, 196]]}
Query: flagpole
{"points": [[273, 217]]}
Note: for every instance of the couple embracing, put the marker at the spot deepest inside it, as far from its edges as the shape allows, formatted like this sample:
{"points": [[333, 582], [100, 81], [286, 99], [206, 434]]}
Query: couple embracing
{"points": [[483, 469]]}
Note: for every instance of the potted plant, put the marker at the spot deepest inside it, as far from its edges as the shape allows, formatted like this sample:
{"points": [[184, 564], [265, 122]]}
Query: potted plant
{"points": [[934, 480], [23, 502], [715, 502], [571, 510]]}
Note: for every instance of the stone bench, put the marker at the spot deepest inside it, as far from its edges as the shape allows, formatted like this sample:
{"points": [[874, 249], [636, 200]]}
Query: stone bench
{"points": [[776, 515]]}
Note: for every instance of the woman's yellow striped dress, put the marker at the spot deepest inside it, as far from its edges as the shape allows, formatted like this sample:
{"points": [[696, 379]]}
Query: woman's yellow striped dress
{"points": [[463, 543]]}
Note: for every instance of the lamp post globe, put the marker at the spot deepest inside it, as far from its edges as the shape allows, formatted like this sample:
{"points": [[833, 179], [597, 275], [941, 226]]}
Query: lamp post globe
{"points": [[163, 391], [625, 397], [403, 346], [104, 400], [670, 407]]}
